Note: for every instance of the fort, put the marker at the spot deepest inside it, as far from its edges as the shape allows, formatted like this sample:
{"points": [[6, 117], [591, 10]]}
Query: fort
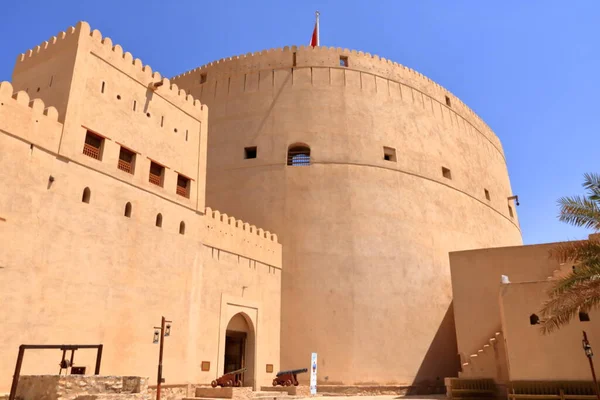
{"points": [[363, 191]]}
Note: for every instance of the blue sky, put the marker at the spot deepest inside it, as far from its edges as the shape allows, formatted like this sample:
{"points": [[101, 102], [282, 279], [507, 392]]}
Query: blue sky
{"points": [[528, 68]]}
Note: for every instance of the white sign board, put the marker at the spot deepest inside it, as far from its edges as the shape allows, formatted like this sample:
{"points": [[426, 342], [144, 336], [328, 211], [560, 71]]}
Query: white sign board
{"points": [[313, 374]]}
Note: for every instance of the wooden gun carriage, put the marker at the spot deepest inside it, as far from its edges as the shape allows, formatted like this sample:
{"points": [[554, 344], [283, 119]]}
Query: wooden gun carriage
{"points": [[229, 379], [288, 378]]}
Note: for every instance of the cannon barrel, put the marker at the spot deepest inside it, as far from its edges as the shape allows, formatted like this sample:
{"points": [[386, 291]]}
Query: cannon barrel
{"points": [[237, 371], [293, 371]]}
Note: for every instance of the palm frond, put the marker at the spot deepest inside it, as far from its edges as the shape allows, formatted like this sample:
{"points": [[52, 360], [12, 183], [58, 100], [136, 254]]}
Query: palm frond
{"points": [[592, 184], [579, 211], [581, 274], [576, 251], [560, 309]]}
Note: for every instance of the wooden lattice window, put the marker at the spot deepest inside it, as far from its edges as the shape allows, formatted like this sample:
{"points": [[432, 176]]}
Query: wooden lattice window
{"points": [[183, 186], [157, 172], [126, 160], [298, 155], [93, 145]]}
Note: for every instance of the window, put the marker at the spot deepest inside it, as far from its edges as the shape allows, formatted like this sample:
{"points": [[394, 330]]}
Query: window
{"points": [[126, 160], [186, 135], [584, 317], [389, 154], [102, 87], [202, 78], [446, 173], [162, 121], [510, 212], [182, 228], [487, 194], [343, 61], [93, 145], [298, 155], [250, 152], [448, 103], [294, 59], [157, 173], [534, 319], [128, 210], [87, 194], [134, 105], [159, 220], [183, 186]]}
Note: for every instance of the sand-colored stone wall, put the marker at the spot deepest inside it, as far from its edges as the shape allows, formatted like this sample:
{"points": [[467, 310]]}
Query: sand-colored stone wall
{"points": [[366, 240], [86, 273], [532, 356], [476, 281]]}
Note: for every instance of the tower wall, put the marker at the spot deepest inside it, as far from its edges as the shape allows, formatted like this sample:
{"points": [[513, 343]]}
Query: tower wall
{"points": [[365, 240]]}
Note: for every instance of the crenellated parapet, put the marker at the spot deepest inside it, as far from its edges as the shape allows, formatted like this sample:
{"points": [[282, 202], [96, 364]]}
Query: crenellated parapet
{"points": [[322, 56], [237, 236], [29, 119], [81, 37]]}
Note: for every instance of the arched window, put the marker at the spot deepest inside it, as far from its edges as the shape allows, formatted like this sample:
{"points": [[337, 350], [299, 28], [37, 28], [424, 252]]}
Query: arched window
{"points": [[159, 220], [87, 193], [534, 319], [182, 228], [298, 155], [128, 210]]}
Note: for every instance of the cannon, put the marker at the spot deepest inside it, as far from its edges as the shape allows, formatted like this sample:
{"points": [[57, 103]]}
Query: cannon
{"points": [[288, 378], [229, 379]]}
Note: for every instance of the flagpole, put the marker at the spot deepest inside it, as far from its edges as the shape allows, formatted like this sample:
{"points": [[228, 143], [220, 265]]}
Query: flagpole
{"points": [[318, 30]]}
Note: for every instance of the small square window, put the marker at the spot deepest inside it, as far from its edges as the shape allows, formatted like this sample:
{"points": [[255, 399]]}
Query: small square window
{"points": [[205, 366], [446, 173], [584, 317], [269, 368], [343, 61], [510, 212], [126, 160], [202, 78], [183, 186], [93, 146], [487, 194], [157, 173], [389, 154], [448, 103], [250, 152]]}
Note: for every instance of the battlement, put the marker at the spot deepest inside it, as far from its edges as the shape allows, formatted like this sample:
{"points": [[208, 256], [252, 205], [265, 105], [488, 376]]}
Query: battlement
{"points": [[82, 37], [231, 234], [37, 106], [330, 57]]}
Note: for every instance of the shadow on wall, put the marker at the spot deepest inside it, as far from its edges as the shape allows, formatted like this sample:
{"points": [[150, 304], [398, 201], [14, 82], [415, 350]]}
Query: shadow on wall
{"points": [[441, 359]]}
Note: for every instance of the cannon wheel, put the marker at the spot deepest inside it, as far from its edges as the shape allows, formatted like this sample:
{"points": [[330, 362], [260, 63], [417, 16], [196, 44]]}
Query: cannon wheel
{"points": [[214, 384], [288, 383], [238, 383], [296, 383], [274, 382]]}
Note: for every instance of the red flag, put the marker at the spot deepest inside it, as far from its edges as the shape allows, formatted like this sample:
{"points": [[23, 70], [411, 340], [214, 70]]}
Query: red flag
{"points": [[314, 40]]}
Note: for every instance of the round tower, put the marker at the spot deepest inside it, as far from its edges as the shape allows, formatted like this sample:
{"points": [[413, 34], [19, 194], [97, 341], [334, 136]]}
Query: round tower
{"points": [[370, 173]]}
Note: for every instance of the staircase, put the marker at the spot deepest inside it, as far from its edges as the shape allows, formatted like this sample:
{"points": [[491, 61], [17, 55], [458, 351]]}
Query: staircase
{"points": [[488, 362]]}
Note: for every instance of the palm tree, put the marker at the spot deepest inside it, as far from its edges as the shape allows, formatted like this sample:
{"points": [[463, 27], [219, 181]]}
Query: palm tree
{"points": [[579, 291]]}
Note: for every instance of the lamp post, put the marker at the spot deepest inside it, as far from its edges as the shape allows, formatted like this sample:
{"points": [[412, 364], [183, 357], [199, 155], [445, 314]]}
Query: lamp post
{"points": [[159, 336], [587, 348]]}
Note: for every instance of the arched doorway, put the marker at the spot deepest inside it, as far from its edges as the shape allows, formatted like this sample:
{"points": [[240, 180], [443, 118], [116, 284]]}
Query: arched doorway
{"points": [[240, 347]]}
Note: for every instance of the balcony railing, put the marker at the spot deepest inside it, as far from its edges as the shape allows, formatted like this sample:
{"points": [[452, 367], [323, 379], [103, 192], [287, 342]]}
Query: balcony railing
{"points": [[156, 179], [125, 166], [183, 191], [91, 151]]}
